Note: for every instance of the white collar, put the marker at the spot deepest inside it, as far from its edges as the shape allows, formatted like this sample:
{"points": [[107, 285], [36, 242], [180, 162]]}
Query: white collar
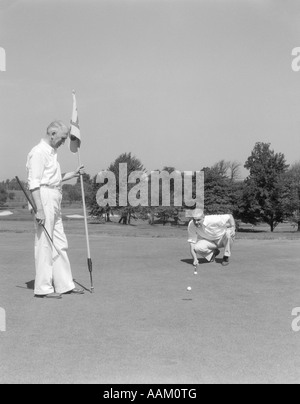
{"points": [[47, 147]]}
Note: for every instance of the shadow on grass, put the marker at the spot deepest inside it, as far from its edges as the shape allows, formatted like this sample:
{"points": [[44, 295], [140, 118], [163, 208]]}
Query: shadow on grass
{"points": [[83, 287], [172, 223], [219, 260], [251, 231], [190, 261], [29, 285], [202, 261]]}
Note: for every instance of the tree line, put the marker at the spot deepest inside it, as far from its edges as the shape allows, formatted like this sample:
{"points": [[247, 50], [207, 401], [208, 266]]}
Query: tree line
{"points": [[270, 193]]}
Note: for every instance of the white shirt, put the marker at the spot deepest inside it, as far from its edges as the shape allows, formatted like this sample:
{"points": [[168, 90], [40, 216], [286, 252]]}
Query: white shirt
{"points": [[43, 167], [214, 227]]}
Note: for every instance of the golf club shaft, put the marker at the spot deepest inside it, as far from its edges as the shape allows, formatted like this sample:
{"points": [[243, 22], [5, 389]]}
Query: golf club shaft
{"points": [[32, 204]]}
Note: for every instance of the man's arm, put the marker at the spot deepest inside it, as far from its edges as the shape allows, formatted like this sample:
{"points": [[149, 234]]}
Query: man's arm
{"points": [[73, 174], [192, 234], [231, 222], [40, 214], [194, 255], [231, 225], [36, 166]]}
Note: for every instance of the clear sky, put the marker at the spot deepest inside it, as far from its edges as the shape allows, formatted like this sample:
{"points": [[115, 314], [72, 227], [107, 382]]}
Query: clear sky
{"points": [[181, 83]]}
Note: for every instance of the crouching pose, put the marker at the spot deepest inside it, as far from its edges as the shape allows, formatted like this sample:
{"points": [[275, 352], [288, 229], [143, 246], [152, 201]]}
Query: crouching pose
{"points": [[207, 234]]}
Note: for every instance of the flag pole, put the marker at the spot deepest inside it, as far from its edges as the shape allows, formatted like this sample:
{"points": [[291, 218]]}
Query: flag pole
{"points": [[89, 260], [75, 142]]}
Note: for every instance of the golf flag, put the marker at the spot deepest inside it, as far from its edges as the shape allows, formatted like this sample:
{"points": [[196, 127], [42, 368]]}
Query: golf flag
{"points": [[75, 139]]}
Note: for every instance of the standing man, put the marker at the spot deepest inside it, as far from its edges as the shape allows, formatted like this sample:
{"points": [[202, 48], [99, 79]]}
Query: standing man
{"points": [[214, 232], [53, 270]]}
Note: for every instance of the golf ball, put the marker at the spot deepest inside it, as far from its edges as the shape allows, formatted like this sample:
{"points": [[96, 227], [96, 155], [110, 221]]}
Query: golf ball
{"points": [[189, 288]]}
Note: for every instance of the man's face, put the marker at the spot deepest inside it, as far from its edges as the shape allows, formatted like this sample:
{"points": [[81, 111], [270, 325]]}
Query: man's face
{"points": [[59, 137], [199, 221]]}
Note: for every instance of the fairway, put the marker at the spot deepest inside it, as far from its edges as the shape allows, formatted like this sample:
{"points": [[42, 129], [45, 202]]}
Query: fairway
{"points": [[142, 325]]}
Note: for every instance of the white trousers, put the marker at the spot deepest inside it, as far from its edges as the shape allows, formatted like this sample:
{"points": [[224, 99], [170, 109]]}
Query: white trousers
{"points": [[53, 271], [206, 248]]}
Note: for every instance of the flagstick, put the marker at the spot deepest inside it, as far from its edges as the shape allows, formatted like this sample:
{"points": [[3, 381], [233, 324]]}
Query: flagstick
{"points": [[90, 264]]}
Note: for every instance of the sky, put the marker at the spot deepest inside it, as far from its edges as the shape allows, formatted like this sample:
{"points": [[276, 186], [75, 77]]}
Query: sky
{"points": [[181, 83]]}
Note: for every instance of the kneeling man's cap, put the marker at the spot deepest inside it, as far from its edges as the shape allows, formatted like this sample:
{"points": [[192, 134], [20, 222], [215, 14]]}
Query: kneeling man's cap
{"points": [[197, 214]]}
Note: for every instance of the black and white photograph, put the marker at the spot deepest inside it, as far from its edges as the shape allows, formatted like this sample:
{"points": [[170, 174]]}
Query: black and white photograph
{"points": [[149, 194]]}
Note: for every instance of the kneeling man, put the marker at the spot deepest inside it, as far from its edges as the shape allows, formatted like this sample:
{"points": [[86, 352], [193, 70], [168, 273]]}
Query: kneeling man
{"points": [[209, 233]]}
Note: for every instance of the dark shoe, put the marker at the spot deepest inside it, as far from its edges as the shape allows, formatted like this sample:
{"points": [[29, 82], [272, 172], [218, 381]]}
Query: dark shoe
{"points": [[215, 254], [76, 291], [225, 261], [50, 296]]}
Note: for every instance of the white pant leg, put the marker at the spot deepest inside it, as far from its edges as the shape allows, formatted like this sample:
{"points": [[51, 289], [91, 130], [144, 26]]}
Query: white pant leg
{"points": [[44, 250], [62, 274], [227, 242], [43, 263], [206, 248], [53, 272]]}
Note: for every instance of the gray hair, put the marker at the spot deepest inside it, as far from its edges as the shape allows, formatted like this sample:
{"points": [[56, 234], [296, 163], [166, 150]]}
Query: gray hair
{"points": [[55, 126]]}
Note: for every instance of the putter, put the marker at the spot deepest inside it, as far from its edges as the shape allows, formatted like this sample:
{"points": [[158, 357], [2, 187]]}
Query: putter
{"points": [[32, 204]]}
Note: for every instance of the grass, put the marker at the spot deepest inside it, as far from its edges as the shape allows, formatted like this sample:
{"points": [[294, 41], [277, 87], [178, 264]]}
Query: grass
{"points": [[21, 221], [142, 325]]}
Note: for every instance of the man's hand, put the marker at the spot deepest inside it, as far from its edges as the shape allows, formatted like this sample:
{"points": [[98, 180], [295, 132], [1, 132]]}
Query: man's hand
{"points": [[40, 217], [194, 255], [233, 233], [40, 214], [80, 171], [74, 174]]}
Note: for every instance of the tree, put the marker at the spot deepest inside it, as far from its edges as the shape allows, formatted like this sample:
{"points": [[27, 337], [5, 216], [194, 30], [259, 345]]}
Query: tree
{"points": [[133, 165], [234, 169], [222, 188], [217, 189], [168, 188], [227, 169], [293, 178], [266, 194], [166, 213], [11, 185], [3, 195], [87, 185], [246, 207], [125, 209], [237, 194], [72, 193], [96, 210], [11, 196], [221, 168], [86, 179]]}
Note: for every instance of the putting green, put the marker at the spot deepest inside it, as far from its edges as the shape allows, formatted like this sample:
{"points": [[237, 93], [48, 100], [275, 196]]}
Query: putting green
{"points": [[142, 325]]}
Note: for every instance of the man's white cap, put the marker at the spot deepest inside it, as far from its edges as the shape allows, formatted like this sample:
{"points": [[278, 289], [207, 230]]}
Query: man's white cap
{"points": [[197, 214]]}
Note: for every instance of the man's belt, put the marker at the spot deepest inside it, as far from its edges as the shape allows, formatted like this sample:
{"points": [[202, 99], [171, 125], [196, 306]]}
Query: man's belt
{"points": [[57, 187]]}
